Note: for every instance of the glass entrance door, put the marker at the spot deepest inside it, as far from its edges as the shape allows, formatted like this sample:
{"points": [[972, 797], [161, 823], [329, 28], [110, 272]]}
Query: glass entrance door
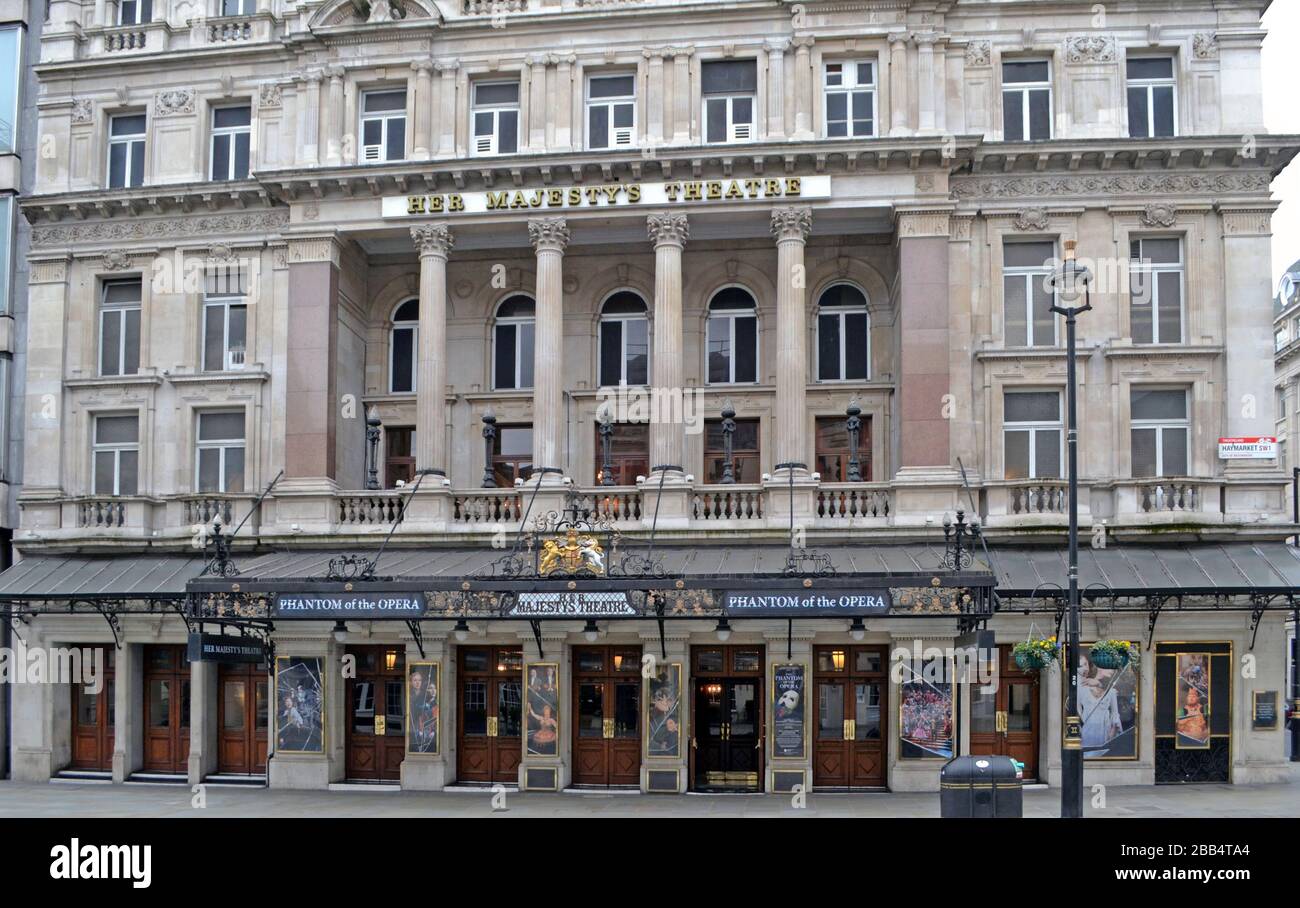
{"points": [[849, 734], [93, 717], [490, 743], [166, 709], [1004, 722], [727, 730], [242, 719], [376, 729], [607, 733]]}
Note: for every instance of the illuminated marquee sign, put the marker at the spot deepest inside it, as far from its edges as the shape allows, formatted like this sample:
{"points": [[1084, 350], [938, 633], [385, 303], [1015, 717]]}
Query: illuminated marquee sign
{"points": [[610, 195]]}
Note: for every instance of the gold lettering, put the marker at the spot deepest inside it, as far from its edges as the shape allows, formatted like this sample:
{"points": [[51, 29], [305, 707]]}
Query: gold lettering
{"points": [[634, 192], [734, 191], [536, 200], [592, 193], [752, 186], [435, 203], [455, 202], [771, 187], [714, 189], [518, 200], [611, 193], [415, 204], [693, 191], [575, 195], [793, 186], [554, 197], [671, 190], [496, 200]]}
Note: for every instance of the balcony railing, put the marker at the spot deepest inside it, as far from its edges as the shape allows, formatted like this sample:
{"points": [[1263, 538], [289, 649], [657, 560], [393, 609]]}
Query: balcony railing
{"points": [[850, 501], [1173, 495], [731, 502], [486, 507]]}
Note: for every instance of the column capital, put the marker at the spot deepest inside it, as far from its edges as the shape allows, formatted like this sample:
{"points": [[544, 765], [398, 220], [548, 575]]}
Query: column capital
{"points": [[335, 72], [447, 66], [422, 66], [803, 43], [791, 222], [680, 53], [548, 234], [777, 45], [668, 229], [432, 239]]}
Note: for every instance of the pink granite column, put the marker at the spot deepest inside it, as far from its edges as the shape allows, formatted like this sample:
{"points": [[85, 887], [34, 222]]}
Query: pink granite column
{"points": [[923, 352], [311, 404]]}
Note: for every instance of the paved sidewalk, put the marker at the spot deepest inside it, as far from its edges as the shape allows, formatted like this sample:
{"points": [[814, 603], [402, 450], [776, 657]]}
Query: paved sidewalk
{"points": [[21, 799]]}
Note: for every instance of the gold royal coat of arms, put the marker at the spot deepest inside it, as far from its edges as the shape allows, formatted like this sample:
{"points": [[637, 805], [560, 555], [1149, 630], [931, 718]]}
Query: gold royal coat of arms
{"points": [[574, 554]]}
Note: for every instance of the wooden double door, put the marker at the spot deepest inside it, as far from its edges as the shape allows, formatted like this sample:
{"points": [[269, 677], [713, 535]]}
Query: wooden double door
{"points": [[727, 730], [166, 708], [1004, 722], [93, 715], [850, 741], [490, 705], [376, 729], [607, 704], [242, 718]]}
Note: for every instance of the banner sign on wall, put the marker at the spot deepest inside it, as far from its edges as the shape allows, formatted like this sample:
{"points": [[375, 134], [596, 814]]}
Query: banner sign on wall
{"points": [[1251, 447], [218, 648], [572, 605], [348, 605], [788, 711], [800, 604]]}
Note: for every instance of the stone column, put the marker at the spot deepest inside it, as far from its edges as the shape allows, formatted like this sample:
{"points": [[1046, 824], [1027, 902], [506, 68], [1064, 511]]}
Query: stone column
{"points": [[925, 81], [424, 102], [203, 721], [334, 123], [538, 112], [447, 115], [429, 771], [562, 94], [653, 128], [128, 711], [790, 227], [309, 120], [549, 237], [803, 87], [434, 242], [682, 95], [898, 86], [47, 326], [776, 89], [668, 232]]}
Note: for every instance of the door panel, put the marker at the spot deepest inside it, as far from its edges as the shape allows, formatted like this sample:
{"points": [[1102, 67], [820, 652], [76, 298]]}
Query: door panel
{"points": [[166, 709], [489, 738], [849, 737], [607, 710], [376, 739], [1004, 722]]}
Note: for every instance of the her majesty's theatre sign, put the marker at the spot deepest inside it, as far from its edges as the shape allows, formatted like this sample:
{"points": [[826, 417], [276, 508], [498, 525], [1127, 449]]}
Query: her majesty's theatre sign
{"points": [[610, 195]]}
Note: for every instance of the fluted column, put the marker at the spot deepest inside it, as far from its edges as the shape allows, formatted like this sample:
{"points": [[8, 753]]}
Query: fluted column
{"points": [[925, 94], [776, 89], [537, 109], [562, 98], [668, 232], [434, 242], [790, 227], [803, 88], [549, 237], [447, 115], [334, 121], [682, 94], [309, 118], [423, 108], [898, 86]]}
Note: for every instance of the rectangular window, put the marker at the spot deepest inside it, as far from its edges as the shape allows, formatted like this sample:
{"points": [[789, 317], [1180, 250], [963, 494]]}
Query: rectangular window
{"points": [[629, 454], [729, 88], [611, 111], [7, 208], [1026, 100], [514, 355], [116, 455], [11, 68], [119, 327], [1026, 297], [1156, 291], [1031, 434], [512, 455], [383, 126], [733, 349], [850, 99], [1151, 109], [238, 7], [134, 12], [231, 133], [225, 332], [126, 151], [1160, 432], [624, 351], [843, 345], [832, 448], [744, 451], [219, 458], [495, 118]]}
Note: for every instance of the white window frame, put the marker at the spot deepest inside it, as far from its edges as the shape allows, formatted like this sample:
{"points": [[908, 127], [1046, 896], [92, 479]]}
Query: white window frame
{"points": [[841, 312], [384, 118], [119, 310], [490, 149], [116, 449], [222, 445], [1025, 88], [733, 138], [1150, 85], [240, 10], [138, 17], [1152, 270], [1028, 274], [135, 144], [608, 104], [233, 132], [1161, 426], [231, 360], [731, 315], [872, 88], [412, 325], [1033, 428], [621, 319], [515, 320]]}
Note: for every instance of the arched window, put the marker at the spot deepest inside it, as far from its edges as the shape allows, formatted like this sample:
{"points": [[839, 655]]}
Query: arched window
{"points": [[512, 343], [733, 337], [624, 340], [402, 344], [843, 335]]}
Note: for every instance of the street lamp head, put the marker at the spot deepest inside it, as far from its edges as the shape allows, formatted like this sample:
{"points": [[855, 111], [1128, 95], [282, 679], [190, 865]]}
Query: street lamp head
{"points": [[372, 417], [1073, 279]]}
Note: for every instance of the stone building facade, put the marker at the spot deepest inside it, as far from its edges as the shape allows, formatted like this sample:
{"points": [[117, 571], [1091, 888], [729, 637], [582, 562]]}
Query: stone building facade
{"points": [[262, 222]]}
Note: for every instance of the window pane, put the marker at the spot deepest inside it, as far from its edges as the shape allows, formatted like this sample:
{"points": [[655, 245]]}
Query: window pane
{"points": [[1140, 323], [1175, 452], [379, 101], [1025, 71], [1158, 404], [508, 136], [104, 469], [131, 349], [396, 148], [1150, 68], [715, 115], [1163, 102], [1015, 310], [237, 331], [496, 93], [117, 165], [1040, 115], [855, 345], [110, 340], [241, 156], [128, 126], [122, 292], [742, 110], [611, 353], [117, 430], [1047, 453], [729, 77], [1031, 406], [209, 470], [1013, 116], [220, 157], [719, 350], [828, 347], [214, 350], [862, 105], [234, 469], [129, 472], [1016, 455], [1137, 112], [233, 705], [217, 426], [403, 360], [505, 352], [746, 349], [1028, 255], [611, 86], [1044, 318], [623, 114], [1161, 251], [526, 335], [1143, 447], [1169, 286], [638, 351], [598, 126], [137, 163], [837, 106], [228, 117]]}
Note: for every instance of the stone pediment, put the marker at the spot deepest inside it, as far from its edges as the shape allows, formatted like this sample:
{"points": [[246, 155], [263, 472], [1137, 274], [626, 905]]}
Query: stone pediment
{"points": [[362, 12]]}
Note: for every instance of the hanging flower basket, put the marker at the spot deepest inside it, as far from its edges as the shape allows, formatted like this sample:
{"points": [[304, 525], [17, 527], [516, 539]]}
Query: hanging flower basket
{"points": [[1112, 654], [1036, 655]]}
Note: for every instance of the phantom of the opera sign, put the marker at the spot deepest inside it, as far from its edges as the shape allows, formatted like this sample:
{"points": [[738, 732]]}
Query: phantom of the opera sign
{"points": [[348, 605], [798, 605], [610, 195]]}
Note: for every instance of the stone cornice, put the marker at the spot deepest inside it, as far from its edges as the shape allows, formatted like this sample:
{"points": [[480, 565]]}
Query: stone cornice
{"points": [[1099, 186], [123, 229], [1162, 351]]}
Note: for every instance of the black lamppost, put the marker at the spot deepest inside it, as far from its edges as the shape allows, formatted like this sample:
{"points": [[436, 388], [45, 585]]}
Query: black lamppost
{"points": [[853, 425], [606, 448], [728, 430], [959, 536], [373, 426], [1069, 284], [489, 437]]}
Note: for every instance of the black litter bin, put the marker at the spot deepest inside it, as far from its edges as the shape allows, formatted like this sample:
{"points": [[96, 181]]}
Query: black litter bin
{"points": [[980, 786]]}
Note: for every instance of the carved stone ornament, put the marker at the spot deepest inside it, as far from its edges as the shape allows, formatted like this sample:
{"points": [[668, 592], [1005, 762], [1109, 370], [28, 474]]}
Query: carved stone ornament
{"points": [[116, 260], [83, 110], [668, 229], [1090, 49], [979, 53], [1205, 47], [791, 222], [268, 95], [432, 239], [1159, 216], [1052, 187], [141, 228], [174, 101], [548, 234], [220, 252], [1031, 219]]}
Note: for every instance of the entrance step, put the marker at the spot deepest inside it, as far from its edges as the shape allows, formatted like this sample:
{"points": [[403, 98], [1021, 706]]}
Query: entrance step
{"points": [[157, 778], [364, 785], [102, 777], [236, 780], [483, 788], [600, 790]]}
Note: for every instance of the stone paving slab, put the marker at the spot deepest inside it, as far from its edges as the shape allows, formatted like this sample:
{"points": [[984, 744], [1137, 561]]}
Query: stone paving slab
{"points": [[22, 799]]}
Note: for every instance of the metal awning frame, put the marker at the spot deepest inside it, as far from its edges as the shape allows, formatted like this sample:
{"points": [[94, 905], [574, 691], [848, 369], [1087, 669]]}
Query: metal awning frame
{"points": [[110, 608]]}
